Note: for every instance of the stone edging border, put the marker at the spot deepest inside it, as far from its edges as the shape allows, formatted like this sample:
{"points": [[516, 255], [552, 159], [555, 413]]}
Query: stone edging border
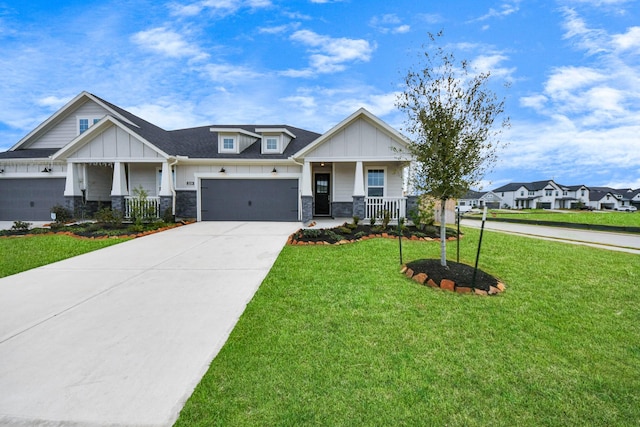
{"points": [[293, 241], [450, 285]]}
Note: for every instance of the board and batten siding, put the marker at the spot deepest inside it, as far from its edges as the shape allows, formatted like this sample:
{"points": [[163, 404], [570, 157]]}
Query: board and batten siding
{"points": [[67, 129], [99, 179], [143, 175], [361, 139], [343, 180], [185, 174], [115, 143]]}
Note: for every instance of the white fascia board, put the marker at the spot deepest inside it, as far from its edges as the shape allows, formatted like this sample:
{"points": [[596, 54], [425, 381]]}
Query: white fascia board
{"points": [[94, 130], [275, 130], [235, 130]]}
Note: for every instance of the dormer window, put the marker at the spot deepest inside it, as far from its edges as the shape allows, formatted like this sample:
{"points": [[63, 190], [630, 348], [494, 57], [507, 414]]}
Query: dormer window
{"points": [[275, 140], [228, 144], [85, 122], [272, 144]]}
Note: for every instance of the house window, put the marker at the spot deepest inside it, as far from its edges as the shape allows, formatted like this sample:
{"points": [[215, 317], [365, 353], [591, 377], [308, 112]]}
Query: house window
{"points": [[521, 194], [375, 182], [582, 193], [228, 144], [84, 123], [548, 193], [532, 193], [272, 144]]}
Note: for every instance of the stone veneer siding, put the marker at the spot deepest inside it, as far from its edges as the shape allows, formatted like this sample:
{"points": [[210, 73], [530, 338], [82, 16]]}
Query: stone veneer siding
{"points": [[358, 207], [117, 204], [412, 203], [186, 204], [342, 209], [165, 203], [307, 208]]}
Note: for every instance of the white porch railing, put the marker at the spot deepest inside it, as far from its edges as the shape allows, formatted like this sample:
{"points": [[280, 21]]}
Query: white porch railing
{"points": [[376, 206], [149, 208]]}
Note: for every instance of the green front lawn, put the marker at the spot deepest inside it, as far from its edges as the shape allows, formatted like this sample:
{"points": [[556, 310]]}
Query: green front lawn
{"points": [[625, 219], [336, 336], [27, 252]]}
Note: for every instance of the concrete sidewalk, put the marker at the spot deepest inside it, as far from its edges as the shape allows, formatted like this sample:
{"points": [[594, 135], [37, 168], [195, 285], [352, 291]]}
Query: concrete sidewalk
{"points": [[605, 240], [121, 336]]}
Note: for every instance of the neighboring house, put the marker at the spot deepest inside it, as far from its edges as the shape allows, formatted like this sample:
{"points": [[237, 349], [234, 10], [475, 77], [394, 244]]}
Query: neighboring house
{"points": [[542, 195], [611, 198], [479, 199], [93, 154]]}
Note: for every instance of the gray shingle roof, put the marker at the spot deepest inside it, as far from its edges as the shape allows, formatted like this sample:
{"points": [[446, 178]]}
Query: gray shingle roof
{"points": [[35, 153]]}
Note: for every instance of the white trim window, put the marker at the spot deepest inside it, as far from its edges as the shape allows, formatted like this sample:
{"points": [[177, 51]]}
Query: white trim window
{"points": [[375, 182], [84, 123], [271, 144], [227, 144]]}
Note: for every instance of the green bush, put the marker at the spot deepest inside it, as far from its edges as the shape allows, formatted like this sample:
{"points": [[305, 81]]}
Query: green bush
{"points": [[167, 216], [334, 236], [356, 220], [108, 216], [344, 230], [21, 226], [63, 214], [351, 226], [311, 233], [360, 234]]}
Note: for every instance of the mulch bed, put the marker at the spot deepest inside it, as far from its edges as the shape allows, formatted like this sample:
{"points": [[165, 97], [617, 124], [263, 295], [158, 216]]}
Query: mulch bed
{"points": [[455, 277], [89, 231], [348, 233]]}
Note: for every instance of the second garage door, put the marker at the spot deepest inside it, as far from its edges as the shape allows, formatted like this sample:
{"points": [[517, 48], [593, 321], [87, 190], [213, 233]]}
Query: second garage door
{"points": [[30, 199], [249, 199]]}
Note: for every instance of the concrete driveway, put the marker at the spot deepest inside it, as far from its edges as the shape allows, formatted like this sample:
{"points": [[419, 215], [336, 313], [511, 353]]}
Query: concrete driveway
{"points": [[121, 336]]}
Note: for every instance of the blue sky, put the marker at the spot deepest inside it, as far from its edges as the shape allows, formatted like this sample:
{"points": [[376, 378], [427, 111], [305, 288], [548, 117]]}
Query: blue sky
{"points": [[573, 65]]}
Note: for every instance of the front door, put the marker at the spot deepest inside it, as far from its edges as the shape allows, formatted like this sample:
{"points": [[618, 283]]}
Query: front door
{"points": [[321, 192]]}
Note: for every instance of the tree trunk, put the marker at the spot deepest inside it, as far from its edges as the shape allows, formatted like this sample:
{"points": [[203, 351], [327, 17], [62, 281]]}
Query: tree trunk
{"points": [[443, 234]]}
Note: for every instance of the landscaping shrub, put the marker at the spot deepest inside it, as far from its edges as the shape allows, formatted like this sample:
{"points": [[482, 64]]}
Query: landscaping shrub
{"points": [[345, 230], [109, 216], [311, 233], [21, 226], [63, 214]]}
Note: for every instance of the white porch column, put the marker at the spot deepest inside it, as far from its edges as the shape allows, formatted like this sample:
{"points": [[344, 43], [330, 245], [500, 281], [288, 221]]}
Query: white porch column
{"points": [[72, 185], [119, 185], [306, 179], [165, 182], [358, 182]]}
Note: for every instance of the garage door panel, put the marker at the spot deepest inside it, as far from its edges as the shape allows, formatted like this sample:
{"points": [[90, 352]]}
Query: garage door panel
{"points": [[249, 199], [30, 199]]}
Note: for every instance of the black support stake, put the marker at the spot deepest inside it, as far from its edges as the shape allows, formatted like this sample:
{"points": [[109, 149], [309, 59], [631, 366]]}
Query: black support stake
{"points": [[475, 269]]}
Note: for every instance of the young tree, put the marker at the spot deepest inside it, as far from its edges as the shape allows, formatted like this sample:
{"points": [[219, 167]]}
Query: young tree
{"points": [[450, 123]]}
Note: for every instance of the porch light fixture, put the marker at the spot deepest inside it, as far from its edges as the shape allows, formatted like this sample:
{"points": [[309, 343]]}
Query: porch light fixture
{"points": [[1, 170], [222, 170], [46, 170], [274, 171]]}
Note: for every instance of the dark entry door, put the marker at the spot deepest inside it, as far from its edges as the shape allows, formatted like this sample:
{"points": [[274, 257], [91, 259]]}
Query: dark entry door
{"points": [[321, 187]]}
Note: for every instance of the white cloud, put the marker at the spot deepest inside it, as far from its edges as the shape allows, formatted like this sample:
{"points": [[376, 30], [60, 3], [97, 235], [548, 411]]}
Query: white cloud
{"points": [[389, 23], [167, 42], [329, 55], [506, 9], [629, 40], [216, 7], [279, 29], [169, 114], [226, 73]]}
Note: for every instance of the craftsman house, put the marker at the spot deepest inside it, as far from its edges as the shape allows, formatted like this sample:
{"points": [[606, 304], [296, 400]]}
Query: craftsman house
{"points": [[93, 154]]}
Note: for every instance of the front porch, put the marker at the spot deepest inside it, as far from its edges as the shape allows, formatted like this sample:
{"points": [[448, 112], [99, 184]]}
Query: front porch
{"points": [[346, 189], [132, 188]]}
